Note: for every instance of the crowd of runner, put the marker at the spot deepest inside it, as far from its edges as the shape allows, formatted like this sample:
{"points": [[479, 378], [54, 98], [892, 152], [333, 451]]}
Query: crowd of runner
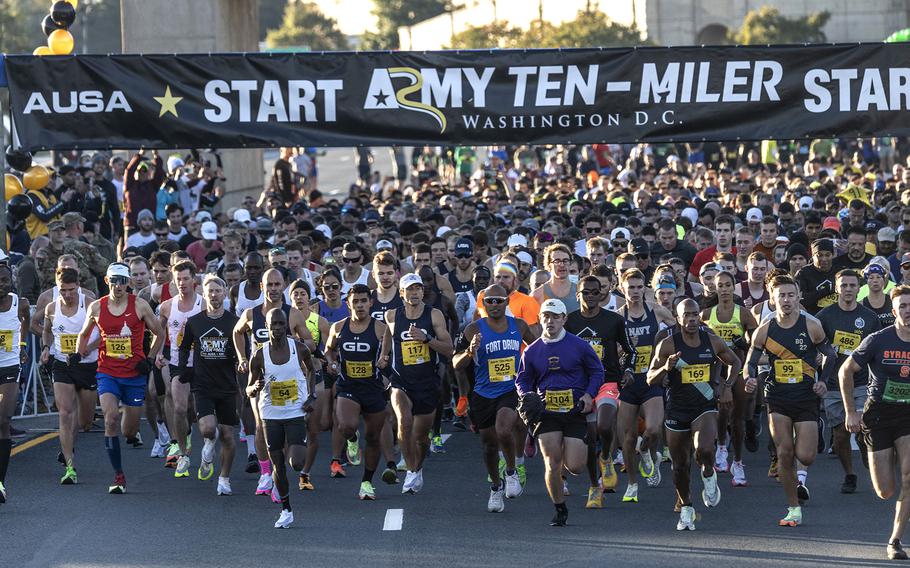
{"points": [[610, 307]]}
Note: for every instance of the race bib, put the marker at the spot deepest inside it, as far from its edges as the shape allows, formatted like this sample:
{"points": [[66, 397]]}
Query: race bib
{"points": [[358, 369], [845, 342], [68, 342], [283, 392], [727, 332], [788, 371], [502, 369], [695, 373], [643, 358], [6, 340], [560, 401], [896, 392], [415, 352], [119, 347], [180, 337], [598, 348]]}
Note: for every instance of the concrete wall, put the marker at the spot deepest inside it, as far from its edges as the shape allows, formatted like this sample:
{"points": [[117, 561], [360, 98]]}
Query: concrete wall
{"points": [[200, 26]]}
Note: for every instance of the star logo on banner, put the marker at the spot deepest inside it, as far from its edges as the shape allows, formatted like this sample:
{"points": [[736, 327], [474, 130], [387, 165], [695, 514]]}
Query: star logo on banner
{"points": [[381, 98], [168, 103]]}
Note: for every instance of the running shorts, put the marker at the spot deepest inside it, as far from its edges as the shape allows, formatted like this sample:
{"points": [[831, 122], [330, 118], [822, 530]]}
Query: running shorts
{"points": [[371, 397], [9, 374], [795, 410], [291, 431], [883, 423], [80, 375], [680, 419], [571, 424], [482, 411], [222, 406], [130, 392], [639, 391], [423, 400], [834, 406]]}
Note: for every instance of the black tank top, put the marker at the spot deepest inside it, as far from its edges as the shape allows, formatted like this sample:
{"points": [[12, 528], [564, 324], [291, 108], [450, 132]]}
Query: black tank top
{"points": [[691, 383], [792, 356], [357, 354], [884, 313], [413, 361], [458, 285], [641, 334], [378, 308]]}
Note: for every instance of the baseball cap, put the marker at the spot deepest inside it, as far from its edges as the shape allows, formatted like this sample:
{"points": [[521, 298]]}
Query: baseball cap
{"points": [[754, 215], [517, 241], [905, 259], [209, 231], [72, 217], [242, 215], [264, 225], [532, 224], [383, 245], [666, 282], [620, 231], [371, 215], [464, 247], [173, 163], [409, 280], [203, 216], [831, 223], [887, 234], [639, 246], [553, 306], [118, 269], [325, 230], [55, 225], [806, 202], [525, 258], [706, 267]]}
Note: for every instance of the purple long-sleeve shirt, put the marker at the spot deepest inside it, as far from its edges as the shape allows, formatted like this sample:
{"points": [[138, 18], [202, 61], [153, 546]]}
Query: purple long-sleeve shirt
{"points": [[569, 363]]}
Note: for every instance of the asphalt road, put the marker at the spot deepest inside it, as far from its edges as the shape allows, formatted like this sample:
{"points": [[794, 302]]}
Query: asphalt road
{"points": [[337, 169], [163, 521]]}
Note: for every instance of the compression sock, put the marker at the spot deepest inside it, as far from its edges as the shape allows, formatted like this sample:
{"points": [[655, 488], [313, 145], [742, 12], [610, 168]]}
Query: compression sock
{"points": [[6, 447], [286, 502], [112, 445], [265, 467]]}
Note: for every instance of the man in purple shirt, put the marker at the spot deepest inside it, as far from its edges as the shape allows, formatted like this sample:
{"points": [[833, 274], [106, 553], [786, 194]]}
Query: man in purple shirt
{"points": [[565, 372]]}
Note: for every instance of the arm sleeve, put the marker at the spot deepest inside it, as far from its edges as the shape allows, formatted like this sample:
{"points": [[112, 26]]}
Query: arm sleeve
{"points": [[631, 357], [45, 214]]}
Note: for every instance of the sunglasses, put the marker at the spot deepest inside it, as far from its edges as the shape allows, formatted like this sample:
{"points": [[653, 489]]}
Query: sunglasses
{"points": [[160, 234], [118, 280], [593, 229], [495, 300], [331, 286], [351, 260], [642, 256], [468, 255], [590, 292]]}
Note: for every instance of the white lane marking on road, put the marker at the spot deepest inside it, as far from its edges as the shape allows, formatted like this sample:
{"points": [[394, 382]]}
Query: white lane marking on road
{"points": [[445, 437], [393, 519]]}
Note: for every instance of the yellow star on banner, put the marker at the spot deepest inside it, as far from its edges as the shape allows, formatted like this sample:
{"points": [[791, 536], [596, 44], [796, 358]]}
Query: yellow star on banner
{"points": [[168, 103]]}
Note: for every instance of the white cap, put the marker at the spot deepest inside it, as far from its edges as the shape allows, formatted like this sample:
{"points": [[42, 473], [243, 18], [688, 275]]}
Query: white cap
{"points": [[118, 269], [409, 280], [553, 306], [203, 216], [441, 231], [691, 214], [383, 245], [242, 215], [806, 202], [325, 230], [525, 257], [209, 231], [517, 241], [173, 163], [754, 215], [620, 231]]}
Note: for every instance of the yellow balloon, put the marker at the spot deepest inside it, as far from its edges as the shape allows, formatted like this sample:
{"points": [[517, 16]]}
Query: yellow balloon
{"points": [[75, 3], [12, 186], [36, 177], [42, 50], [61, 42]]}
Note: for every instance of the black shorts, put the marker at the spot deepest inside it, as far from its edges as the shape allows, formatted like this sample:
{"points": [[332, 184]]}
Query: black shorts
{"points": [[571, 424], [483, 411], [883, 423], [80, 375], [222, 406], [291, 431], [638, 391], [680, 419], [9, 374], [370, 397], [796, 411], [423, 400]]}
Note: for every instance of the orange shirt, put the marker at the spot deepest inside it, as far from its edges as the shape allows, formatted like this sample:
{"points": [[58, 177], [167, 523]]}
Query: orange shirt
{"points": [[520, 306]]}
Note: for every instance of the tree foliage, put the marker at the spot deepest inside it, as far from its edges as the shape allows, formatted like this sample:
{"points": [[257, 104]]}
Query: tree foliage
{"points": [[767, 26], [392, 14], [304, 24]]}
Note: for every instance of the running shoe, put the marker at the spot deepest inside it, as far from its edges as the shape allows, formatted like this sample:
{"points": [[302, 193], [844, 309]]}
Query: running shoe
{"points": [[646, 465], [751, 437], [530, 449], [353, 450], [284, 520], [561, 518], [739, 474], [772, 469], [304, 483], [665, 456], [686, 519], [711, 493], [183, 467], [721, 464], [408, 485], [264, 487], [896, 551], [620, 461], [336, 469], [522, 473], [2, 494], [436, 445], [224, 487], [69, 477], [513, 486], [252, 464], [631, 495], [595, 498], [802, 492], [390, 476], [496, 503], [206, 469], [60, 459], [274, 495], [135, 442], [849, 485], [157, 450], [402, 465], [119, 485], [173, 453], [654, 480], [794, 517], [458, 424], [608, 477], [418, 482], [565, 487], [366, 493]]}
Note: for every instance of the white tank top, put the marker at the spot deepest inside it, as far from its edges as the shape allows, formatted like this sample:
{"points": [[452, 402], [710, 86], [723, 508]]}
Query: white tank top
{"points": [[242, 303], [10, 328], [612, 304], [176, 322], [285, 386], [362, 279], [66, 331]]}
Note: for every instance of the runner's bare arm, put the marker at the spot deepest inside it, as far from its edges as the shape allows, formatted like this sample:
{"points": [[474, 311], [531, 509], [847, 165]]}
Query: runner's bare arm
{"points": [[386, 345], [239, 333], [256, 371], [90, 321], [662, 363], [37, 325], [463, 359], [845, 379], [47, 335], [331, 343], [728, 357], [305, 359], [146, 314], [442, 342]]}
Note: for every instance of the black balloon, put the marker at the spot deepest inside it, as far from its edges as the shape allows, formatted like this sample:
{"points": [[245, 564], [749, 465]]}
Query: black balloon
{"points": [[19, 160], [48, 25], [63, 13], [19, 207]]}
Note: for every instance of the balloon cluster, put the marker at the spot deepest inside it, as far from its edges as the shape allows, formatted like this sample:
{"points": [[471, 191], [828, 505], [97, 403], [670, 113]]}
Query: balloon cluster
{"points": [[34, 177], [56, 27]]}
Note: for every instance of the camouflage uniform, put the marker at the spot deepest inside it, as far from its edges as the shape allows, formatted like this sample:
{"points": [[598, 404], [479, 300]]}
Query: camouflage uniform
{"points": [[90, 263]]}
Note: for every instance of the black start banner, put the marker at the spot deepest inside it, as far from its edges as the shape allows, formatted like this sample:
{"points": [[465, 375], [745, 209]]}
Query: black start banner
{"points": [[460, 97]]}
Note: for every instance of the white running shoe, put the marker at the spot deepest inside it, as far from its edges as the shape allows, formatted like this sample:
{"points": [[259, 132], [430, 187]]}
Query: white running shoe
{"points": [[686, 519], [284, 520], [631, 495], [264, 487], [183, 467], [711, 493], [402, 466], [496, 504], [654, 480], [418, 481], [739, 474], [224, 487], [721, 460], [408, 485], [158, 449], [646, 464], [513, 486]]}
